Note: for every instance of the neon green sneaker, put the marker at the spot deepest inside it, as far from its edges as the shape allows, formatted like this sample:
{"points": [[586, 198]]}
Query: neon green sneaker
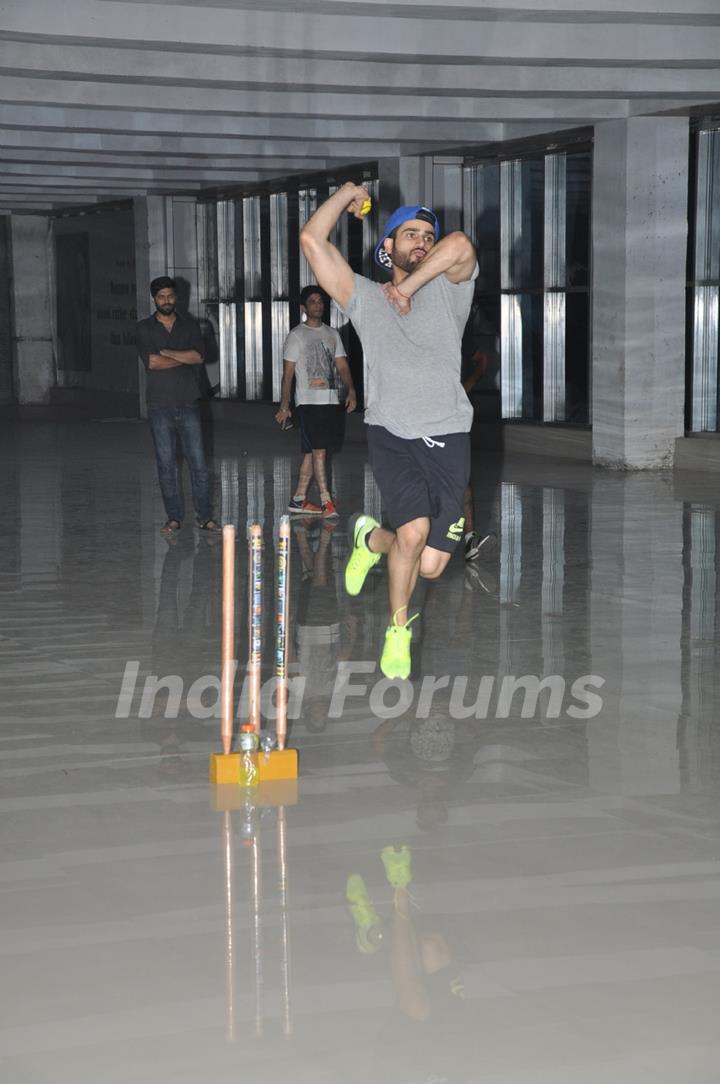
{"points": [[395, 661], [368, 924], [361, 559], [396, 861]]}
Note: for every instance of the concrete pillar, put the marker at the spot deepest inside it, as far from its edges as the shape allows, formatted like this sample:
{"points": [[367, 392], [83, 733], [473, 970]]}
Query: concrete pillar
{"points": [[640, 193], [183, 259], [151, 260], [7, 381], [33, 300], [151, 247], [447, 194], [404, 181]]}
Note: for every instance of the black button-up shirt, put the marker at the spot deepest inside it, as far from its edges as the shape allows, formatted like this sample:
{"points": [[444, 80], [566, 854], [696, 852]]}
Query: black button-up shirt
{"points": [[170, 387]]}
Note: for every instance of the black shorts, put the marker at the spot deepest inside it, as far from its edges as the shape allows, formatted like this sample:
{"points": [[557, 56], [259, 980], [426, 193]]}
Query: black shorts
{"points": [[416, 480], [320, 426]]}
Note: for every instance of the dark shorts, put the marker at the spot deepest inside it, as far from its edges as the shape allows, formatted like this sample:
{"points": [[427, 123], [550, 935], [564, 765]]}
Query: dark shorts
{"points": [[320, 427], [419, 481]]}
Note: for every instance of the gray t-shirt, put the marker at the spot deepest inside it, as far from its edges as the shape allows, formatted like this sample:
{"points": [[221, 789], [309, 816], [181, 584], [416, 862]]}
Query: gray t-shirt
{"points": [[314, 349], [412, 362]]}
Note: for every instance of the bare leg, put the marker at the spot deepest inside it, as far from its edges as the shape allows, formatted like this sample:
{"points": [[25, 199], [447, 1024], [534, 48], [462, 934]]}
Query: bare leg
{"points": [[306, 473], [404, 566], [318, 466]]}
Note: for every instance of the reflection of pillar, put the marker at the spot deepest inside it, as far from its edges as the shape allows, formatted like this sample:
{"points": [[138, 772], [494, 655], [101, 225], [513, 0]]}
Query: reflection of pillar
{"points": [[697, 724], [257, 932], [372, 501], [229, 490], [635, 620], [282, 483], [255, 481], [33, 300], [553, 579], [40, 512], [282, 879], [229, 929], [510, 532]]}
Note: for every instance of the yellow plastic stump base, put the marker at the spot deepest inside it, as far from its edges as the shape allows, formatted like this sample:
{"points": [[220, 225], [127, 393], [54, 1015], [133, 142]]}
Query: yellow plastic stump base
{"points": [[228, 797], [277, 764]]}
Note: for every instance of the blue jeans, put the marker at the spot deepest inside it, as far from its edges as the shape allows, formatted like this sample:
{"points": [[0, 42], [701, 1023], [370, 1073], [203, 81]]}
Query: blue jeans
{"points": [[167, 424]]}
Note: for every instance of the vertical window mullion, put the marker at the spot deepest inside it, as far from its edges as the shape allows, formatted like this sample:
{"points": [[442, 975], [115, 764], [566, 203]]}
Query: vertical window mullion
{"points": [[511, 380], [227, 330], [280, 306], [554, 282], [253, 297]]}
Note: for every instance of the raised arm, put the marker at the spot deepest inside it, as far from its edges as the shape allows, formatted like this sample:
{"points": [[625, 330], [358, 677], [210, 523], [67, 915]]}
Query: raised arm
{"points": [[330, 268]]}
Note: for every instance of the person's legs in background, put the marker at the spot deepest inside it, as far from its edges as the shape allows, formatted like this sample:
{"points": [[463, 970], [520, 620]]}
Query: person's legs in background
{"points": [[190, 432], [164, 434]]}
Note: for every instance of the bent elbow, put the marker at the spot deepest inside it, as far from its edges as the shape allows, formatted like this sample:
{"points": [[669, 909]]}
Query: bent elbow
{"points": [[307, 241], [464, 248]]}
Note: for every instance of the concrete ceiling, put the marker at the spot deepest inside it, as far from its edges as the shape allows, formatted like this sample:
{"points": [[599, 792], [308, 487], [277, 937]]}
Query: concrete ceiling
{"points": [[107, 99]]}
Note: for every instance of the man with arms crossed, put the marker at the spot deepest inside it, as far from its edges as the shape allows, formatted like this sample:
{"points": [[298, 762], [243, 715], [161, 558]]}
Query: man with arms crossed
{"points": [[418, 414], [171, 348]]}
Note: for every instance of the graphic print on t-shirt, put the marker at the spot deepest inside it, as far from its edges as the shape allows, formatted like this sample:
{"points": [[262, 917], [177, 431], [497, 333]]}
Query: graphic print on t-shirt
{"points": [[320, 366]]}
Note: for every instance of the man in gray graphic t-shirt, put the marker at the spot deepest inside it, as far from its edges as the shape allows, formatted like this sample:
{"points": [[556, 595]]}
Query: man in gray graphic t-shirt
{"points": [[418, 414], [314, 357]]}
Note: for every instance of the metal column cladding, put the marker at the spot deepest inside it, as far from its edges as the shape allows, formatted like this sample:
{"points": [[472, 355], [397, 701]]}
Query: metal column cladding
{"points": [[253, 298], [307, 205], [554, 282], [707, 276], [371, 230], [511, 379], [227, 315], [469, 201], [279, 285]]}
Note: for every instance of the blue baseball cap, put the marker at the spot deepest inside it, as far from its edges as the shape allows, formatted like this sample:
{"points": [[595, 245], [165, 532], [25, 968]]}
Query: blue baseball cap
{"points": [[396, 219]]}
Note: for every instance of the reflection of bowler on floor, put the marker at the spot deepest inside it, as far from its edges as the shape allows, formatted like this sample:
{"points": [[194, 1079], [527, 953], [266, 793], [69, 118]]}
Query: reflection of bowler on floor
{"points": [[315, 356], [418, 414]]}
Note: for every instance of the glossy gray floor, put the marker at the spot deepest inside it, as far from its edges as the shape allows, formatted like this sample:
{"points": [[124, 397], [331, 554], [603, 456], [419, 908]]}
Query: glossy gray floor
{"points": [[562, 922]]}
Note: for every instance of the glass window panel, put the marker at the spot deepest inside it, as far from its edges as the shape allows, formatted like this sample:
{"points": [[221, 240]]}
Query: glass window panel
{"points": [[703, 391], [578, 172], [532, 316], [577, 358], [707, 228], [208, 251], [527, 256], [482, 221]]}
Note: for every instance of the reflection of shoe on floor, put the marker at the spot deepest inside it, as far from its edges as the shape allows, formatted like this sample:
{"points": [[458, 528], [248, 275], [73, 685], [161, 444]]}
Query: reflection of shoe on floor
{"points": [[361, 559], [477, 545], [368, 924], [480, 580], [396, 861], [396, 660]]}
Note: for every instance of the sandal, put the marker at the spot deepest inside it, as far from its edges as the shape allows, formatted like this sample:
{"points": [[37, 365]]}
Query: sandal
{"points": [[210, 525], [170, 526]]}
